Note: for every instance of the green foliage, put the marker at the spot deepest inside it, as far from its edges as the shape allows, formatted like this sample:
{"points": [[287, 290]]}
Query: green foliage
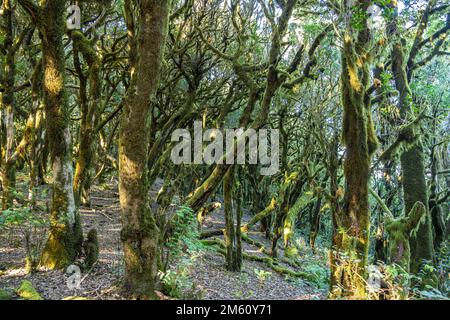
{"points": [[262, 275], [22, 214], [312, 28], [31, 224], [432, 281], [423, 286], [388, 13], [431, 293], [177, 282], [397, 276], [20, 217], [183, 247], [27, 291], [291, 252], [320, 272], [358, 18], [185, 234], [386, 82], [5, 295], [443, 268]]}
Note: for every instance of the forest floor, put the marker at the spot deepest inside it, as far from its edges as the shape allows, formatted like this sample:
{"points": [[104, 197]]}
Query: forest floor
{"points": [[205, 273]]}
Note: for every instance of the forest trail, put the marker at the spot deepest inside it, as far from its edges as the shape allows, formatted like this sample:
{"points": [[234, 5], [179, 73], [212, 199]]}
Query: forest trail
{"points": [[208, 278]]}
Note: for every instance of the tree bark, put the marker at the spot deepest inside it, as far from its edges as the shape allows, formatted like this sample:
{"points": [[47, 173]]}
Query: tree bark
{"points": [[412, 159], [7, 107], [350, 241], [86, 156], [65, 237], [232, 232], [139, 231]]}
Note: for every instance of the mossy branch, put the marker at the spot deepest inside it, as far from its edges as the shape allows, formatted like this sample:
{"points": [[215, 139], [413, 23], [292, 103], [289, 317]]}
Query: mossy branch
{"points": [[406, 138], [269, 261], [259, 216], [381, 203], [415, 216]]}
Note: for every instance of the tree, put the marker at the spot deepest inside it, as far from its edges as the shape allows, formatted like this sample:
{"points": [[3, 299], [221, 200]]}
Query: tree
{"points": [[139, 231], [65, 235], [351, 230], [404, 64]]}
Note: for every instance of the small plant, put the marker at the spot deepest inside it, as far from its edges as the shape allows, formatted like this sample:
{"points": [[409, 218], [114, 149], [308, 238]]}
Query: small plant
{"points": [[28, 292], [238, 294], [177, 282], [181, 248], [31, 225], [181, 236], [320, 273], [243, 277], [396, 280], [358, 18], [431, 283], [262, 276]]}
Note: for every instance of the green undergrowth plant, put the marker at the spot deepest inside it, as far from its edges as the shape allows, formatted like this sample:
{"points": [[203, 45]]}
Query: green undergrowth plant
{"points": [[320, 272], [396, 283], [176, 281], [313, 263], [262, 276], [432, 282], [182, 248], [182, 237], [28, 222]]}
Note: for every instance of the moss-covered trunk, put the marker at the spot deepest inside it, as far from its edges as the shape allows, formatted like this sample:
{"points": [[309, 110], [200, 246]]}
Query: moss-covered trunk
{"points": [[64, 242], [139, 231], [229, 219], [351, 239], [437, 215], [37, 131], [415, 190], [315, 223], [7, 106], [86, 156], [65, 237], [412, 160], [232, 231]]}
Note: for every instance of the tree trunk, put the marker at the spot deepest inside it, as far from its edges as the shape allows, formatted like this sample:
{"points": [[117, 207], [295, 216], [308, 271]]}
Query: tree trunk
{"points": [[7, 108], [351, 239], [37, 133], [139, 232], [412, 161], [83, 167], [415, 190], [232, 234], [65, 238], [315, 224]]}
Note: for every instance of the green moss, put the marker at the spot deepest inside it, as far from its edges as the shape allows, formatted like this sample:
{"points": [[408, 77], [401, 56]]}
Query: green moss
{"points": [[58, 252], [27, 291], [64, 244], [31, 264], [291, 252], [399, 232], [5, 295], [90, 247]]}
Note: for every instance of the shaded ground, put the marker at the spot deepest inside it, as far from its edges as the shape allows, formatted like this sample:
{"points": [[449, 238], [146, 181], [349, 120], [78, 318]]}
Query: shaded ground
{"points": [[207, 273]]}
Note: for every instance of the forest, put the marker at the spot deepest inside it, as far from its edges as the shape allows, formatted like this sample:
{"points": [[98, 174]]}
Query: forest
{"points": [[225, 150]]}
